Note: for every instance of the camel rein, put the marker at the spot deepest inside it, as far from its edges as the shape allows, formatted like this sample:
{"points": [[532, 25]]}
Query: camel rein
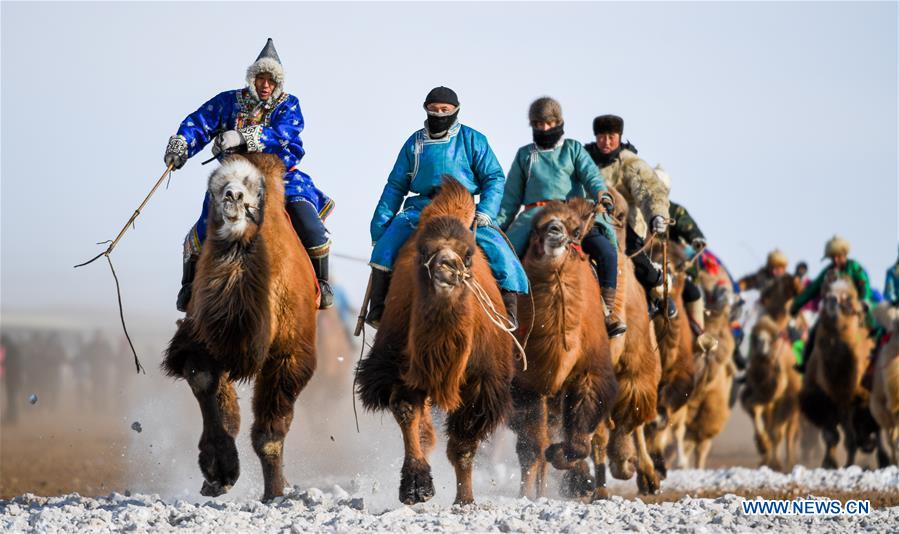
{"points": [[496, 317]]}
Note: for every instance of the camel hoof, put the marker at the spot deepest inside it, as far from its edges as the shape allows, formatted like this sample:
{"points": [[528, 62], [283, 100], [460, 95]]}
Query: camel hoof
{"points": [[648, 483], [829, 463], [601, 494], [219, 463], [622, 470], [416, 484], [213, 489], [577, 483], [463, 502], [556, 456]]}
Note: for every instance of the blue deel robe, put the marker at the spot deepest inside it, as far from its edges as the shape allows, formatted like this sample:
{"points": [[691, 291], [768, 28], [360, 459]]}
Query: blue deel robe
{"points": [[273, 128], [464, 154]]}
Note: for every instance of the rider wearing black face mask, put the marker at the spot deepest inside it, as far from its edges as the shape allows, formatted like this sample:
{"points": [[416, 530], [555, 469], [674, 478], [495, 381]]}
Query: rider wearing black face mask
{"points": [[554, 168]]}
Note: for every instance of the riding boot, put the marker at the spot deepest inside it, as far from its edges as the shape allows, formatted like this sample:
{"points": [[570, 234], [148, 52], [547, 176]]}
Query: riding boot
{"points": [[380, 283], [807, 350], [187, 279], [614, 325], [696, 318], [320, 266], [510, 299]]}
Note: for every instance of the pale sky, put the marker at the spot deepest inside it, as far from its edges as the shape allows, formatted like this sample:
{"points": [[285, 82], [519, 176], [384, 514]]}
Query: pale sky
{"points": [[777, 122]]}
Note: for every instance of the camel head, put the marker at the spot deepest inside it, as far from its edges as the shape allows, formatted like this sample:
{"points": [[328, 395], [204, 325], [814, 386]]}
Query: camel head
{"points": [[236, 200], [775, 296], [762, 341], [559, 226], [445, 251], [840, 303]]}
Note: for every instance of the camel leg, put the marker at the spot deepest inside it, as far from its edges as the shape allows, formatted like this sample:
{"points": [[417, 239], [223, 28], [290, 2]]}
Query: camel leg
{"points": [[792, 435], [883, 459], [656, 434], [647, 479], [776, 434], [762, 442], [408, 407], [599, 443], [680, 431], [277, 387], [702, 452], [530, 425], [849, 440], [485, 403], [622, 457], [584, 404], [426, 430], [831, 440], [218, 458]]}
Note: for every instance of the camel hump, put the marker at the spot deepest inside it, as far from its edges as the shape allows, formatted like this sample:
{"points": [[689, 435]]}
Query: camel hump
{"points": [[453, 200]]}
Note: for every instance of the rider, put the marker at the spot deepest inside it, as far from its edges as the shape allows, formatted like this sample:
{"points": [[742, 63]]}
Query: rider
{"points": [[554, 168], [775, 267], [258, 118], [687, 231], [891, 286], [837, 250], [645, 195], [443, 146]]}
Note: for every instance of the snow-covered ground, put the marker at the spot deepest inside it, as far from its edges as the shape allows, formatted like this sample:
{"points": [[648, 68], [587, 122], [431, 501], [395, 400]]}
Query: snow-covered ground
{"points": [[338, 510]]}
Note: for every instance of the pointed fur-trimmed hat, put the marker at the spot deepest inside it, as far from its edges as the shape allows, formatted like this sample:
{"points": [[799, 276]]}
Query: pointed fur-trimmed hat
{"points": [[837, 246], [267, 61], [545, 109]]}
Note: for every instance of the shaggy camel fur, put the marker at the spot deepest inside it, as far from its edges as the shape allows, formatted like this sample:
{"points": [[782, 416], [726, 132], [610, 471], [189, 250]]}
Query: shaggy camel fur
{"points": [[708, 409], [568, 351], [832, 394], [437, 345], [885, 392], [771, 393], [637, 368], [252, 316]]}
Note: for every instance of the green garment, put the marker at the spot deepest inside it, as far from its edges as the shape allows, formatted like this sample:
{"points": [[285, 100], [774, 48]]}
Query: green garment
{"points": [[685, 227], [559, 173], [798, 351], [854, 271]]}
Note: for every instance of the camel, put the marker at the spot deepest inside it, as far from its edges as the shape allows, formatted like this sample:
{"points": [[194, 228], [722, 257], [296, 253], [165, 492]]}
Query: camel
{"points": [[771, 393], [884, 401], [638, 370], [252, 316], [832, 394], [677, 355], [569, 361], [708, 409], [436, 345]]}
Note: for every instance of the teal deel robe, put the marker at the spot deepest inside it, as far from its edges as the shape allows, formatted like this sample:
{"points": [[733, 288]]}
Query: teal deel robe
{"points": [[559, 173]]}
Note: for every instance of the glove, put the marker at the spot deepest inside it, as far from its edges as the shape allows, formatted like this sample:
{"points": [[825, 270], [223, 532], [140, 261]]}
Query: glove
{"points": [[659, 224], [698, 244], [227, 141], [482, 219], [176, 152], [607, 203]]}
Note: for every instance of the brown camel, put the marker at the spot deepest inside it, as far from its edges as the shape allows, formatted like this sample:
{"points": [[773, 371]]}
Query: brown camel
{"points": [[832, 394], [885, 392], [707, 410], [771, 393], [638, 370], [252, 316], [568, 351], [677, 355], [436, 344]]}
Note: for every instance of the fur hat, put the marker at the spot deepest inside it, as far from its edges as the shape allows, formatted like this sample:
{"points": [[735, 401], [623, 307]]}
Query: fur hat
{"points": [[663, 176], [608, 124], [268, 61], [837, 246], [776, 258], [545, 109], [442, 95]]}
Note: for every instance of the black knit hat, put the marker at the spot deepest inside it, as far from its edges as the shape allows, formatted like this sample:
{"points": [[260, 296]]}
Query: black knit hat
{"points": [[442, 95], [608, 124]]}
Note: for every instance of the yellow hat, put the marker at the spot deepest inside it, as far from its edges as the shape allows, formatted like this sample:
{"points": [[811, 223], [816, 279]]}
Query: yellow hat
{"points": [[776, 258], [837, 246]]}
